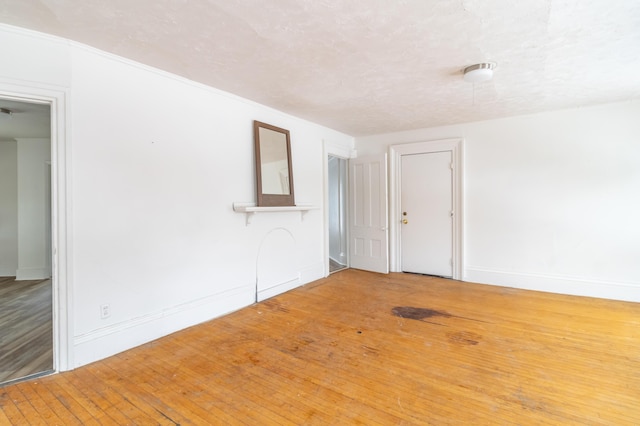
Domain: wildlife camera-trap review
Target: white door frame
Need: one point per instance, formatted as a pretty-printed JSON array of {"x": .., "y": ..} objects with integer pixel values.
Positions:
[
  {"x": 60, "y": 213},
  {"x": 395, "y": 175},
  {"x": 339, "y": 151}
]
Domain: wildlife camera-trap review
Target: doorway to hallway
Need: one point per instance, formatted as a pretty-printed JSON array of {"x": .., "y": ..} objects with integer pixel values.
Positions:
[
  {"x": 26, "y": 290},
  {"x": 337, "y": 192}
]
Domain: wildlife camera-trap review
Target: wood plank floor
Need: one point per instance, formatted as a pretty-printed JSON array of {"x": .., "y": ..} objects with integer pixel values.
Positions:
[
  {"x": 371, "y": 349},
  {"x": 26, "y": 328}
]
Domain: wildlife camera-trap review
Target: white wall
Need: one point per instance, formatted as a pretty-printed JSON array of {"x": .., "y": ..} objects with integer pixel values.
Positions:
[
  {"x": 552, "y": 200},
  {"x": 33, "y": 59},
  {"x": 8, "y": 208},
  {"x": 157, "y": 163},
  {"x": 33, "y": 209}
]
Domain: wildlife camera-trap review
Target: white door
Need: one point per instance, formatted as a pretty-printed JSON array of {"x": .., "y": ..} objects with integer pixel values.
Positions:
[
  {"x": 368, "y": 234},
  {"x": 427, "y": 213}
]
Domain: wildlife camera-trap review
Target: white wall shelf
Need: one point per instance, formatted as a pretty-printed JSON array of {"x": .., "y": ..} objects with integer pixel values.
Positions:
[{"x": 250, "y": 209}]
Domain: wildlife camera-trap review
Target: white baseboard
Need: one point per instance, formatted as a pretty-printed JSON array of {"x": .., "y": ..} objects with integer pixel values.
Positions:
[
  {"x": 278, "y": 288},
  {"x": 306, "y": 275},
  {"x": 629, "y": 292},
  {"x": 115, "y": 338},
  {"x": 32, "y": 274}
]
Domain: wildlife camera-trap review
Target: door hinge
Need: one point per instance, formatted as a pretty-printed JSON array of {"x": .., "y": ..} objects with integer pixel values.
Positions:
[{"x": 451, "y": 166}]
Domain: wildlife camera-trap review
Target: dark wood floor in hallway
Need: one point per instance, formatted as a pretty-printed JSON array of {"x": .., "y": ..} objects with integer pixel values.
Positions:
[
  {"x": 365, "y": 348},
  {"x": 26, "y": 328}
]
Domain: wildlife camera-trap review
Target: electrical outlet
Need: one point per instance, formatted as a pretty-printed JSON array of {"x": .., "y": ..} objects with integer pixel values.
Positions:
[{"x": 105, "y": 311}]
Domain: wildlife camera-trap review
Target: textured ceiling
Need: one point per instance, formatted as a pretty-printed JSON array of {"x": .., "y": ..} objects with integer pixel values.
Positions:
[{"x": 367, "y": 67}]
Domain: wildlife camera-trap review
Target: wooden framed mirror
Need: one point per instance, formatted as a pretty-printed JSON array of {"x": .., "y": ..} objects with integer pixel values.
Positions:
[{"x": 274, "y": 174}]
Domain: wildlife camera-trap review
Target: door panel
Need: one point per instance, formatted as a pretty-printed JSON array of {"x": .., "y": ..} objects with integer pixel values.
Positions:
[
  {"x": 368, "y": 214},
  {"x": 427, "y": 208}
]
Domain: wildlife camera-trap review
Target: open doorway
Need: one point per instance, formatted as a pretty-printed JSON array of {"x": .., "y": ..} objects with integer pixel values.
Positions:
[
  {"x": 26, "y": 291},
  {"x": 337, "y": 181}
]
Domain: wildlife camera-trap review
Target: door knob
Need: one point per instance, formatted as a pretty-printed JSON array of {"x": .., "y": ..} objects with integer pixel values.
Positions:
[{"x": 405, "y": 221}]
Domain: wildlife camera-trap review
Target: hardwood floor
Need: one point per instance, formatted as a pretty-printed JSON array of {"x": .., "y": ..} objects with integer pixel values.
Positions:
[
  {"x": 365, "y": 348},
  {"x": 26, "y": 328}
]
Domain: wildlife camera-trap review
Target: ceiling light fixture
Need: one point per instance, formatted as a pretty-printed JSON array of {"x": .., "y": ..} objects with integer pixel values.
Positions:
[
  {"x": 5, "y": 113},
  {"x": 479, "y": 72}
]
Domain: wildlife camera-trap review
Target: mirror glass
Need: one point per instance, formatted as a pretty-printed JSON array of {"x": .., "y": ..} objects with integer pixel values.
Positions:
[
  {"x": 274, "y": 175},
  {"x": 274, "y": 162}
]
